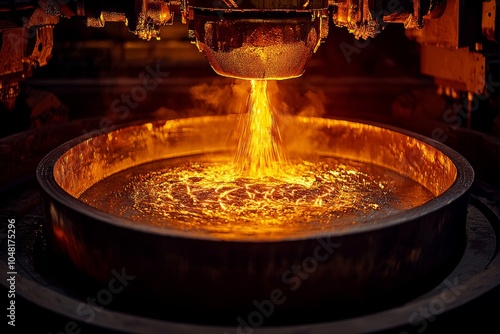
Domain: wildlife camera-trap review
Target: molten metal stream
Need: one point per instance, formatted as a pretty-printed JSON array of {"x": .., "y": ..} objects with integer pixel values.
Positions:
[
  {"x": 260, "y": 151},
  {"x": 257, "y": 193}
]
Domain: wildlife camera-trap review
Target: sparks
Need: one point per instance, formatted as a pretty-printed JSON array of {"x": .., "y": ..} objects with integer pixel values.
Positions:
[{"x": 259, "y": 152}]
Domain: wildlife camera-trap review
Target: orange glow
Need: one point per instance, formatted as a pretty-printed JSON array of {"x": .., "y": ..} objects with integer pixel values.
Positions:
[
  {"x": 259, "y": 150},
  {"x": 258, "y": 193},
  {"x": 208, "y": 197}
]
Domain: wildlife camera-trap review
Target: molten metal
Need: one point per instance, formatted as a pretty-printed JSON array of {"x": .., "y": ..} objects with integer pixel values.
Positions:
[
  {"x": 169, "y": 200},
  {"x": 207, "y": 196},
  {"x": 259, "y": 193},
  {"x": 259, "y": 150}
]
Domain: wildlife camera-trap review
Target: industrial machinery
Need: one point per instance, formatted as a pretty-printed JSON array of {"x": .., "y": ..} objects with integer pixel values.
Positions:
[
  {"x": 83, "y": 263},
  {"x": 269, "y": 39}
]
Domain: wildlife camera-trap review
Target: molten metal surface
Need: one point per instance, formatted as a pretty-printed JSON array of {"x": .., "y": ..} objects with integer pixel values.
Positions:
[
  {"x": 208, "y": 196},
  {"x": 258, "y": 192},
  {"x": 184, "y": 175},
  {"x": 164, "y": 198}
]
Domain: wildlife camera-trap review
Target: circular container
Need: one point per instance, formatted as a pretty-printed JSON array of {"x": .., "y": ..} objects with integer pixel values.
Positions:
[{"x": 375, "y": 264}]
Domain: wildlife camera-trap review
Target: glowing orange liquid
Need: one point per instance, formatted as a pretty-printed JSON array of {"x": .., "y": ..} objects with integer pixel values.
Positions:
[
  {"x": 205, "y": 196},
  {"x": 259, "y": 150},
  {"x": 257, "y": 193}
]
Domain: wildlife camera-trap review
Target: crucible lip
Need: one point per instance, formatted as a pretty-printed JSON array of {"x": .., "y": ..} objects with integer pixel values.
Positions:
[{"x": 460, "y": 186}]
